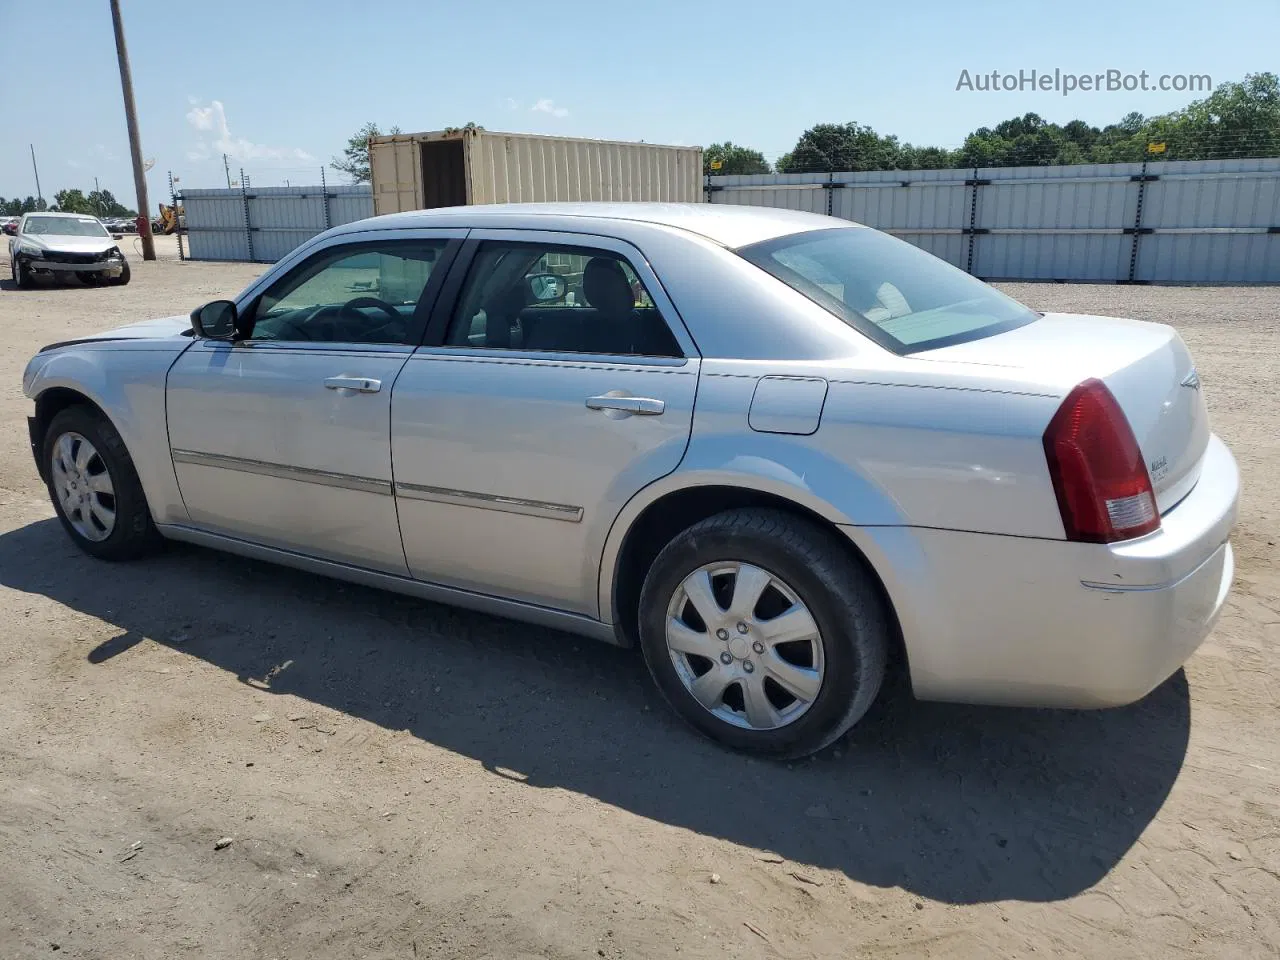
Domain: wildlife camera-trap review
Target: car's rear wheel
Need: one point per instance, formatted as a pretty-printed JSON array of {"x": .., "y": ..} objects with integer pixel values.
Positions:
[
  {"x": 763, "y": 632},
  {"x": 94, "y": 487}
]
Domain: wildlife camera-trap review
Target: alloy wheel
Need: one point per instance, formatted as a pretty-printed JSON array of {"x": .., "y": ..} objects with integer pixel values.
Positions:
[
  {"x": 83, "y": 486},
  {"x": 745, "y": 645}
]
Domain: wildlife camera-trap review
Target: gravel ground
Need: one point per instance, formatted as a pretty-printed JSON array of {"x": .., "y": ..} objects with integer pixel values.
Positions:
[{"x": 399, "y": 779}]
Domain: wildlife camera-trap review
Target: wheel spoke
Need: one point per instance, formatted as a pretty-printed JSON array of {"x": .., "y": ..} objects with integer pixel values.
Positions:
[
  {"x": 685, "y": 640},
  {"x": 59, "y": 474},
  {"x": 106, "y": 516},
  {"x": 66, "y": 452},
  {"x": 697, "y": 587},
  {"x": 803, "y": 683},
  {"x": 709, "y": 688},
  {"x": 84, "y": 453},
  {"x": 748, "y": 585},
  {"x": 796, "y": 624},
  {"x": 761, "y": 714},
  {"x": 79, "y": 514},
  {"x": 100, "y": 482},
  {"x": 65, "y": 498}
]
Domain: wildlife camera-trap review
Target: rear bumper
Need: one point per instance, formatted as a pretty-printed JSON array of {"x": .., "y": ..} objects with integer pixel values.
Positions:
[{"x": 1024, "y": 621}]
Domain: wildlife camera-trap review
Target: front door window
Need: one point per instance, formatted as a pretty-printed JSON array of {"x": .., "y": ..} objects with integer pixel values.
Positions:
[{"x": 366, "y": 293}]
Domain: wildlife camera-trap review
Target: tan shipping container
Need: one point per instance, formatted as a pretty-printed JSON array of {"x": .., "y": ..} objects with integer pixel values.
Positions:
[{"x": 417, "y": 171}]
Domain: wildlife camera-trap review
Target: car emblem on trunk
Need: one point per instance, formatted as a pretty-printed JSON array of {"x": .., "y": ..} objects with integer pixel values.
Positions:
[{"x": 1192, "y": 380}]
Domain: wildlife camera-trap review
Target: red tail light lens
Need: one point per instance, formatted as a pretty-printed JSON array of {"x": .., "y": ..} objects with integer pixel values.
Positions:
[{"x": 1103, "y": 488}]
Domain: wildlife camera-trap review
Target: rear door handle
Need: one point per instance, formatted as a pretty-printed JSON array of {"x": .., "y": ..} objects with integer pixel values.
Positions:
[
  {"x": 356, "y": 384},
  {"x": 640, "y": 406}
]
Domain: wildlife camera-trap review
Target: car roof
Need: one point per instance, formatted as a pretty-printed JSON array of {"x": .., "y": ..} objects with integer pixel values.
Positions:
[
  {"x": 64, "y": 216},
  {"x": 726, "y": 224}
]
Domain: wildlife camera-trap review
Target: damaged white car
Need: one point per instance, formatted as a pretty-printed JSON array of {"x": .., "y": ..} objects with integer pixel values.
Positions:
[{"x": 59, "y": 246}]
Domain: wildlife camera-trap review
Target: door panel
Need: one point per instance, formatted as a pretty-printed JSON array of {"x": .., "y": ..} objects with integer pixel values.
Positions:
[
  {"x": 264, "y": 449},
  {"x": 507, "y": 482}
]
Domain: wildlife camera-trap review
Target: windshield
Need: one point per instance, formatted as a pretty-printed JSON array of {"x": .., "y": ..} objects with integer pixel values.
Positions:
[
  {"x": 65, "y": 227},
  {"x": 901, "y": 297}
]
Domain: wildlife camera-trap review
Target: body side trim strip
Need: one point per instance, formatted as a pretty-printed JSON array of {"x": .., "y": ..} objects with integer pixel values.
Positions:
[
  {"x": 491, "y": 501},
  {"x": 410, "y": 491},
  {"x": 283, "y": 472}
]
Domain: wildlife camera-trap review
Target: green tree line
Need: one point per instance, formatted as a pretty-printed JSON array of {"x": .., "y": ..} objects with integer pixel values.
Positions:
[
  {"x": 1236, "y": 120},
  {"x": 98, "y": 203},
  {"x": 16, "y": 207}
]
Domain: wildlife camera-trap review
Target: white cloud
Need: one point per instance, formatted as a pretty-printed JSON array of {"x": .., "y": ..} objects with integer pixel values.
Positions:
[
  {"x": 213, "y": 120},
  {"x": 513, "y": 104},
  {"x": 549, "y": 106}
]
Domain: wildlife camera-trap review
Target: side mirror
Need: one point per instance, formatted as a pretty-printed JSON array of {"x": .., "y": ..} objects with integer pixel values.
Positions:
[
  {"x": 117, "y": 236},
  {"x": 548, "y": 286},
  {"x": 216, "y": 320}
]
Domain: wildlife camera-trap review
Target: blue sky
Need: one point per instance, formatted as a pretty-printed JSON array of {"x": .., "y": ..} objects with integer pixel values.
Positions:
[{"x": 280, "y": 84}]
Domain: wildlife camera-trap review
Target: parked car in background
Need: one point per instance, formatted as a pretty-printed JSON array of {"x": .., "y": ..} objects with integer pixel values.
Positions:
[
  {"x": 10, "y": 225},
  {"x": 778, "y": 451},
  {"x": 59, "y": 246}
]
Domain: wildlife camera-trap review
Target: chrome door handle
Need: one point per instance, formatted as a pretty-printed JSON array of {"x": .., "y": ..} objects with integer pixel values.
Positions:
[
  {"x": 358, "y": 384},
  {"x": 640, "y": 406}
]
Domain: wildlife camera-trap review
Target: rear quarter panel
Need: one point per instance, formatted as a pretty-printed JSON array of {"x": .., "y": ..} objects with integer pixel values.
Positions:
[{"x": 885, "y": 454}]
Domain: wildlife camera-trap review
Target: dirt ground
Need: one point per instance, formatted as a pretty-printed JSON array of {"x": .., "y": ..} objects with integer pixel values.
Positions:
[{"x": 404, "y": 780}]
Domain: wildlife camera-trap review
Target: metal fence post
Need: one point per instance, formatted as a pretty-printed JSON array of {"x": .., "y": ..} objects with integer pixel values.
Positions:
[
  {"x": 244, "y": 204},
  {"x": 1137, "y": 229},
  {"x": 173, "y": 205},
  {"x": 324, "y": 192},
  {"x": 973, "y": 184}
]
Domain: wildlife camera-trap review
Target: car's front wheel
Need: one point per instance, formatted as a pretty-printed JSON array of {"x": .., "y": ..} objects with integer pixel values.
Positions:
[
  {"x": 94, "y": 487},
  {"x": 763, "y": 632},
  {"x": 121, "y": 280},
  {"x": 21, "y": 274}
]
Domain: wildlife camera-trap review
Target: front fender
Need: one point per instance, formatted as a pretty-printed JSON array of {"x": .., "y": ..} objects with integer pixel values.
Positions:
[
  {"x": 789, "y": 467},
  {"x": 127, "y": 384}
]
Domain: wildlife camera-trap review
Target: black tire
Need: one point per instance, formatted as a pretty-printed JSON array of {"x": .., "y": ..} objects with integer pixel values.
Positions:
[
  {"x": 134, "y": 534},
  {"x": 840, "y": 595},
  {"x": 21, "y": 274},
  {"x": 121, "y": 280}
]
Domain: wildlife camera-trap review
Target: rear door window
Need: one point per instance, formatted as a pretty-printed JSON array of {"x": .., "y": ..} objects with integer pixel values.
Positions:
[{"x": 558, "y": 299}]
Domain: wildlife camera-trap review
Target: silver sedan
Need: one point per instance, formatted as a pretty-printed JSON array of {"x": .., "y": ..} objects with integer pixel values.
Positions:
[{"x": 781, "y": 453}]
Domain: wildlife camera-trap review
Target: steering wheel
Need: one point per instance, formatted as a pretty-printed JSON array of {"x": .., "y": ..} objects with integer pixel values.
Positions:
[{"x": 350, "y": 307}]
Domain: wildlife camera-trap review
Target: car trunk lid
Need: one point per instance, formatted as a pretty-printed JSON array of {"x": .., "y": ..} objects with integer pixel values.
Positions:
[{"x": 1146, "y": 366}]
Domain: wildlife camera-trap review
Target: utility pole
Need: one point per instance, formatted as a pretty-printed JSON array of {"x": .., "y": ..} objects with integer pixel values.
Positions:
[
  {"x": 36, "y": 171},
  {"x": 227, "y": 167},
  {"x": 97, "y": 196},
  {"x": 135, "y": 143}
]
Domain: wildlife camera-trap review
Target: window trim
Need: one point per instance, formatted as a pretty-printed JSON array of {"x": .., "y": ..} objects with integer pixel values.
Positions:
[{"x": 448, "y": 300}]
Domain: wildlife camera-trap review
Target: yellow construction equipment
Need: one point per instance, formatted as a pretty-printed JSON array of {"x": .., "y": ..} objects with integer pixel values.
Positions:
[{"x": 170, "y": 220}]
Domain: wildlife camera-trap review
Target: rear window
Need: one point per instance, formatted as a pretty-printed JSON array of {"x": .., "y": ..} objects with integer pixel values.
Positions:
[{"x": 901, "y": 297}]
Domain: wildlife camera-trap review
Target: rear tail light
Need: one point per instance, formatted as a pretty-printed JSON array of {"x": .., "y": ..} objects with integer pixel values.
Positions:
[{"x": 1103, "y": 488}]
